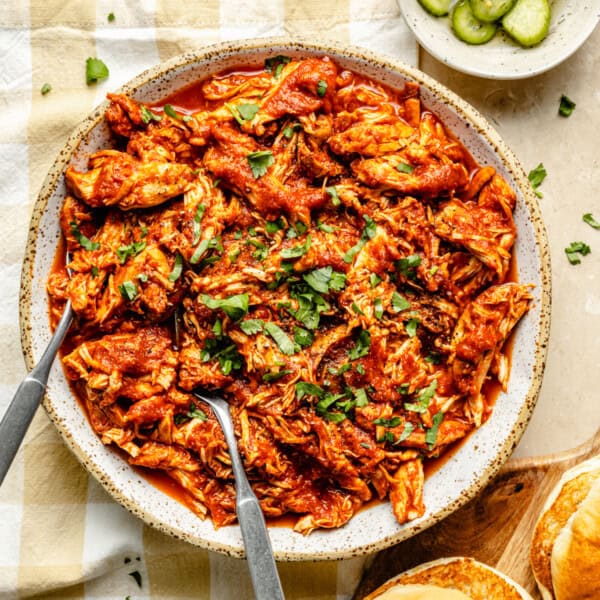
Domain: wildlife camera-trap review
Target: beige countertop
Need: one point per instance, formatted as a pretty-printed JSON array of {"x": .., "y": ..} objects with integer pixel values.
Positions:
[{"x": 525, "y": 113}]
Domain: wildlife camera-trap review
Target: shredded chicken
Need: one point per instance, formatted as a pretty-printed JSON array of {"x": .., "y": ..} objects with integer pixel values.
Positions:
[{"x": 317, "y": 248}]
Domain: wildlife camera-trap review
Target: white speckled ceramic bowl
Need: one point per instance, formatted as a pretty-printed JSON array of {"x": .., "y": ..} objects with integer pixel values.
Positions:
[
  {"x": 375, "y": 527},
  {"x": 502, "y": 58}
]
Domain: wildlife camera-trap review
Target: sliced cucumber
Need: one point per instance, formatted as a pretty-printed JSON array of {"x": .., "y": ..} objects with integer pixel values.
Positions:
[
  {"x": 528, "y": 21},
  {"x": 468, "y": 28},
  {"x": 439, "y": 8},
  {"x": 490, "y": 10}
]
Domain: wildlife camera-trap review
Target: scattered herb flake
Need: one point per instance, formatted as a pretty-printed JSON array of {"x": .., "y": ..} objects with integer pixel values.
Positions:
[
  {"x": 411, "y": 327},
  {"x": 133, "y": 249},
  {"x": 259, "y": 162},
  {"x": 281, "y": 338},
  {"x": 431, "y": 435},
  {"x": 393, "y": 422},
  {"x": 374, "y": 280},
  {"x": 303, "y": 337},
  {"x": 399, "y": 303},
  {"x": 332, "y": 191},
  {"x": 94, "y": 271},
  {"x": 408, "y": 429},
  {"x": 175, "y": 274},
  {"x": 248, "y": 111},
  {"x": 235, "y": 307},
  {"x": 305, "y": 388},
  {"x": 589, "y": 219},
  {"x": 84, "y": 241},
  {"x": 111, "y": 17},
  {"x": 128, "y": 290},
  {"x": 321, "y": 88},
  {"x": 297, "y": 251},
  {"x": 45, "y": 89},
  {"x": 275, "y": 375},
  {"x": 404, "y": 168},
  {"x": 566, "y": 107},
  {"x": 324, "y": 227},
  {"x": 362, "y": 345},
  {"x": 275, "y": 64},
  {"x": 170, "y": 112},
  {"x": 577, "y": 248},
  {"x": 378, "y": 308},
  {"x": 407, "y": 266},
  {"x": 423, "y": 399},
  {"x": 252, "y": 326},
  {"x": 148, "y": 115}
]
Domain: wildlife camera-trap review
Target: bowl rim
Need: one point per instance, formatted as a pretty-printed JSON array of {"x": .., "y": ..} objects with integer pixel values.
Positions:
[{"x": 358, "y": 55}]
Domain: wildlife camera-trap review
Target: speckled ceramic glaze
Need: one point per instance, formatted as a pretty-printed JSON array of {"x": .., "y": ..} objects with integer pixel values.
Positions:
[
  {"x": 502, "y": 58},
  {"x": 371, "y": 529}
]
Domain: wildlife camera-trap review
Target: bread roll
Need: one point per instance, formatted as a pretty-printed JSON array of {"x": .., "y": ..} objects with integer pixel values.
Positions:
[
  {"x": 415, "y": 591},
  {"x": 565, "y": 549},
  {"x": 470, "y": 578}
]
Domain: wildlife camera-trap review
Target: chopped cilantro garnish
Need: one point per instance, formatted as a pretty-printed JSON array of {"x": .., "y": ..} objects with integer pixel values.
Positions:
[
  {"x": 332, "y": 191},
  {"x": 359, "y": 369},
  {"x": 408, "y": 429},
  {"x": 45, "y": 89},
  {"x": 388, "y": 436},
  {"x": 133, "y": 249},
  {"x": 378, "y": 308},
  {"x": 374, "y": 280},
  {"x": 110, "y": 17},
  {"x": 325, "y": 279},
  {"x": 128, "y": 290},
  {"x": 361, "y": 398},
  {"x": 196, "y": 227},
  {"x": 274, "y": 226},
  {"x": 536, "y": 176},
  {"x": 170, "y": 111},
  {"x": 193, "y": 413},
  {"x": 407, "y": 265},
  {"x": 399, "y": 303},
  {"x": 324, "y": 227},
  {"x": 393, "y": 422},
  {"x": 577, "y": 248},
  {"x": 303, "y": 337},
  {"x": 423, "y": 399},
  {"x": 143, "y": 277},
  {"x": 297, "y": 251},
  {"x": 235, "y": 307},
  {"x": 321, "y": 88},
  {"x": 411, "y": 327},
  {"x": 566, "y": 107},
  {"x": 94, "y": 271},
  {"x": 148, "y": 115},
  {"x": 275, "y": 64},
  {"x": 368, "y": 233},
  {"x": 275, "y": 375},
  {"x": 431, "y": 435},
  {"x": 362, "y": 345},
  {"x": 84, "y": 241},
  {"x": 95, "y": 70},
  {"x": 252, "y": 326},
  {"x": 404, "y": 168},
  {"x": 305, "y": 388},
  {"x": 225, "y": 351},
  {"x": 175, "y": 274},
  {"x": 259, "y": 162},
  {"x": 247, "y": 111},
  {"x": 281, "y": 338},
  {"x": 356, "y": 309}
]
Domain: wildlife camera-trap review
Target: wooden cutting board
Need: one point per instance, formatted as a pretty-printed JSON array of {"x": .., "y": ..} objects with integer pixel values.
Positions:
[{"x": 494, "y": 528}]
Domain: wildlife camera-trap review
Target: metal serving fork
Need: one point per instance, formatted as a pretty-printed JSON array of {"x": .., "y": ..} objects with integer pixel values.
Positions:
[
  {"x": 261, "y": 563},
  {"x": 27, "y": 398}
]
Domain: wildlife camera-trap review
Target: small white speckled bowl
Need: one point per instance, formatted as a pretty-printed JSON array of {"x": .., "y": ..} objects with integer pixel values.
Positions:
[
  {"x": 371, "y": 529},
  {"x": 502, "y": 58}
]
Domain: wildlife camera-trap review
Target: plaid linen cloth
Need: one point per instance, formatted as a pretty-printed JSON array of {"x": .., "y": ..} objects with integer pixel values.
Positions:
[{"x": 61, "y": 535}]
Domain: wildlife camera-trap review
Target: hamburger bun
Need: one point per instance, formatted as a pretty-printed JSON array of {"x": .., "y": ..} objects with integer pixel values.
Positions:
[
  {"x": 449, "y": 579},
  {"x": 565, "y": 548}
]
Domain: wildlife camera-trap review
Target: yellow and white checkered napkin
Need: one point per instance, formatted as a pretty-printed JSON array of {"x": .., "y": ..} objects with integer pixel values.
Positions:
[{"x": 61, "y": 536}]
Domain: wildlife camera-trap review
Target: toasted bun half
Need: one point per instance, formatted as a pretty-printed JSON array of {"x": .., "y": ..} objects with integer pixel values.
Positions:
[
  {"x": 565, "y": 548},
  {"x": 439, "y": 578}
]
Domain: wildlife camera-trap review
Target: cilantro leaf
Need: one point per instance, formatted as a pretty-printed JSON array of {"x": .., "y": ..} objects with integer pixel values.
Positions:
[
  {"x": 393, "y": 422},
  {"x": 423, "y": 399},
  {"x": 133, "y": 249},
  {"x": 566, "y": 107},
  {"x": 407, "y": 266},
  {"x": 110, "y": 17},
  {"x": 148, "y": 115},
  {"x": 374, "y": 280},
  {"x": 95, "y": 70},
  {"x": 305, "y": 388},
  {"x": 281, "y": 338},
  {"x": 170, "y": 111},
  {"x": 431, "y": 435},
  {"x": 45, "y": 89},
  {"x": 175, "y": 274},
  {"x": 368, "y": 233},
  {"x": 361, "y": 346},
  {"x": 332, "y": 191},
  {"x": 399, "y": 303},
  {"x": 297, "y": 251},
  {"x": 275, "y": 64},
  {"x": 323, "y": 279},
  {"x": 84, "y": 241},
  {"x": 378, "y": 308},
  {"x": 404, "y": 168},
  {"x": 128, "y": 290},
  {"x": 536, "y": 176},
  {"x": 259, "y": 162},
  {"x": 275, "y": 375},
  {"x": 252, "y": 326},
  {"x": 303, "y": 337},
  {"x": 235, "y": 307},
  {"x": 248, "y": 111},
  {"x": 411, "y": 327},
  {"x": 321, "y": 88}
]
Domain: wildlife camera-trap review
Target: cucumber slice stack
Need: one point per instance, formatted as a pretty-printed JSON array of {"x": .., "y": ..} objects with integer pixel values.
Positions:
[{"x": 476, "y": 21}]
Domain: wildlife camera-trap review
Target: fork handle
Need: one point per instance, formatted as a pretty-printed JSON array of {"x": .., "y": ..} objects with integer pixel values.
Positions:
[{"x": 27, "y": 398}]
